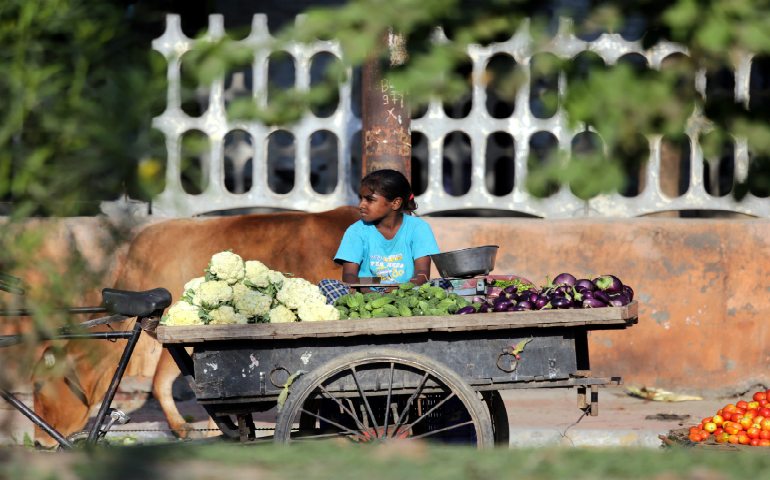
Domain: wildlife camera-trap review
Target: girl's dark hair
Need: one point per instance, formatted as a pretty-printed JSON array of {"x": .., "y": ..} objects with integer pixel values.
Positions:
[{"x": 391, "y": 185}]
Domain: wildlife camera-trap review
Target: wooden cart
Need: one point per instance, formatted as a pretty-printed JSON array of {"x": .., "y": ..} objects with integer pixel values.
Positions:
[{"x": 375, "y": 380}]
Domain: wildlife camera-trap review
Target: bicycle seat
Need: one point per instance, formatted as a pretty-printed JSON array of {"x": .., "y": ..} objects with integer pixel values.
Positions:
[{"x": 136, "y": 304}]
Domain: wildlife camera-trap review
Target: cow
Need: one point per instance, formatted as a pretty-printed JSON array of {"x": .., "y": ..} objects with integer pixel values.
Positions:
[{"x": 167, "y": 255}]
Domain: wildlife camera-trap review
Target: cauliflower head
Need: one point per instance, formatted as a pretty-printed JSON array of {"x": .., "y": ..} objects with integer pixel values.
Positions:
[
  {"x": 317, "y": 312},
  {"x": 225, "y": 315},
  {"x": 251, "y": 303},
  {"x": 227, "y": 266},
  {"x": 276, "y": 278},
  {"x": 213, "y": 293},
  {"x": 281, "y": 314},
  {"x": 182, "y": 313},
  {"x": 298, "y": 291},
  {"x": 257, "y": 273},
  {"x": 193, "y": 284}
]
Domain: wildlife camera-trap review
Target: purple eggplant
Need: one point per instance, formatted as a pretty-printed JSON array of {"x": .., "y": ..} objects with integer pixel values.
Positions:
[
  {"x": 511, "y": 290},
  {"x": 466, "y": 310},
  {"x": 512, "y": 308},
  {"x": 593, "y": 303},
  {"x": 561, "y": 302},
  {"x": 629, "y": 292},
  {"x": 479, "y": 300},
  {"x": 518, "y": 309},
  {"x": 585, "y": 284},
  {"x": 486, "y": 308},
  {"x": 525, "y": 305},
  {"x": 502, "y": 304},
  {"x": 618, "y": 300},
  {"x": 587, "y": 294},
  {"x": 609, "y": 284},
  {"x": 541, "y": 302},
  {"x": 562, "y": 290},
  {"x": 532, "y": 298},
  {"x": 564, "y": 279},
  {"x": 602, "y": 296}
]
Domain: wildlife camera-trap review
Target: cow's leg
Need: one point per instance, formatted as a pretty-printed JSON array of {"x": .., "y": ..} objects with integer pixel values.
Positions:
[{"x": 165, "y": 374}]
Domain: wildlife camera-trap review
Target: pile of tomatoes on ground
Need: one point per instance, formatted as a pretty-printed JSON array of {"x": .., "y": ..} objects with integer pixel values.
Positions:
[{"x": 746, "y": 423}]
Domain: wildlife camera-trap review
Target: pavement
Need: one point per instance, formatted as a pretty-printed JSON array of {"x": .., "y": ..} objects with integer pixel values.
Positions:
[{"x": 538, "y": 417}]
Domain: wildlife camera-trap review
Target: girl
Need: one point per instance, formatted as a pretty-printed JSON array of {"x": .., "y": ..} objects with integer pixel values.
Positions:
[{"x": 388, "y": 242}]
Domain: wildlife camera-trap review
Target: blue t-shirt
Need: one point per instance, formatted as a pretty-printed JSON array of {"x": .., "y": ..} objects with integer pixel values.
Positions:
[{"x": 391, "y": 260}]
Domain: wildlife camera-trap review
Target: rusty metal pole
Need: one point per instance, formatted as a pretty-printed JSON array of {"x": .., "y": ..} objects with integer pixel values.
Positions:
[{"x": 386, "y": 118}]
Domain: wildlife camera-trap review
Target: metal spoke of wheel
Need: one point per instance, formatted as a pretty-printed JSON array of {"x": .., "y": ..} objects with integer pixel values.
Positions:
[
  {"x": 409, "y": 403},
  {"x": 424, "y": 415},
  {"x": 346, "y": 409},
  {"x": 366, "y": 402},
  {"x": 316, "y": 437},
  {"x": 387, "y": 402},
  {"x": 441, "y": 430},
  {"x": 344, "y": 429}
]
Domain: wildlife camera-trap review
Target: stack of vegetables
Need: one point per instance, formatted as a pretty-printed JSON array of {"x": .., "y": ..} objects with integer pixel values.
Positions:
[
  {"x": 564, "y": 292},
  {"x": 405, "y": 301},
  {"x": 236, "y": 292}
]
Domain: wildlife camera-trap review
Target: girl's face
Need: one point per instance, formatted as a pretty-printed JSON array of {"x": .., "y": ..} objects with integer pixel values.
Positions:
[{"x": 374, "y": 207}]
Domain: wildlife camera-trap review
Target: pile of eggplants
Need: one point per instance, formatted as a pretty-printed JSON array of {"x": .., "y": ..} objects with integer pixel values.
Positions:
[{"x": 563, "y": 293}]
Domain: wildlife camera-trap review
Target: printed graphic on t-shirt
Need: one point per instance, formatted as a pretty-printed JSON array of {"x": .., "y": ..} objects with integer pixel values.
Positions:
[{"x": 387, "y": 268}]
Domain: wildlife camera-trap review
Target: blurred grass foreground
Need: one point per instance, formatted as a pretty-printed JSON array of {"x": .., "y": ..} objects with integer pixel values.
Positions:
[{"x": 400, "y": 461}]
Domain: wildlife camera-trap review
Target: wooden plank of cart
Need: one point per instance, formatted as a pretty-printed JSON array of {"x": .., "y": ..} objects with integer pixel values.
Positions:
[{"x": 384, "y": 379}]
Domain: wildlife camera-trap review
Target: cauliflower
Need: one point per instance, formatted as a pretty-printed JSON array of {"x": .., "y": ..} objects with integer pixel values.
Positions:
[
  {"x": 182, "y": 313},
  {"x": 239, "y": 290},
  {"x": 281, "y": 314},
  {"x": 276, "y": 278},
  {"x": 251, "y": 303},
  {"x": 317, "y": 312},
  {"x": 193, "y": 284},
  {"x": 227, "y": 266},
  {"x": 226, "y": 315},
  {"x": 298, "y": 291},
  {"x": 213, "y": 293},
  {"x": 257, "y": 273}
]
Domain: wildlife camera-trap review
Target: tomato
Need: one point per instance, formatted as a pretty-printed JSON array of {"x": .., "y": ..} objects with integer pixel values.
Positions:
[
  {"x": 764, "y": 434},
  {"x": 727, "y": 416},
  {"x": 766, "y": 424},
  {"x": 694, "y": 429},
  {"x": 695, "y": 437},
  {"x": 753, "y": 432},
  {"x": 729, "y": 408},
  {"x": 750, "y": 414},
  {"x": 706, "y": 420},
  {"x": 764, "y": 443},
  {"x": 763, "y": 403},
  {"x": 704, "y": 434},
  {"x": 754, "y": 442},
  {"x": 753, "y": 405},
  {"x": 740, "y": 411},
  {"x": 746, "y": 423},
  {"x": 742, "y": 404},
  {"x": 721, "y": 437},
  {"x": 759, "y": 396},
  {"x": 730, "y": 429},
  {"x": 744, "y": 440},
  {"x": 733, "y": 439},
  {"x": 765, "y": 412},
  {"x": 718, "y": 420},
  {"x": 720, "y": 412},
  {"x": 758, "y": 419},
  {"x": 710, "y": 427},
  {"x": 718, "y": 431},
  {"x": 736, "y": 418}
]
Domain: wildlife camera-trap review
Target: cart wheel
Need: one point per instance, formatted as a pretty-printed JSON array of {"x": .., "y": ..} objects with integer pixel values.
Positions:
[
  {"x": 499, "y": 415},
  {"x": 383, "y": 395}
]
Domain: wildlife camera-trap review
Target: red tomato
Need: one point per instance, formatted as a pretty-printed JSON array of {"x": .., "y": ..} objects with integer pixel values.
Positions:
[
  {"x": 710, "y": 427},
  {"x": 758, "y": 419},
  {"x": 694, "y": 429},
  {"x": 736, "y": 418},
  {"x": 765, "y": 412},
  {"x": 706, "y": 420},
  {"x": 753, "y": 432},
  {"x": 695, "y": 437},
  {"x": 750, "y": 414},
  {"x": 718, "y": 431},
  {"x": 742, "y": 404},
  {"x": 740, "y": 411},
  {"x": 759, "y": 396},
  {"x": 746, "y": 423},
  {"x": 729, "y": 408},
  {"x": 754, "y": 442},
  {"x": 727, "y": 416},
  {"x": 718, "y": 420},
  {"x": 764, "y": 443},
  {"x": 721, "y": 437},
  {"x": 764, "y": 434},
  {"x": 754, "y": 405},
  {"x": 744, "y": 440},
  {"x": 720, "y": 412},
  {"x": 733, "y": 439},
  {"x": 704, "y": 434},
  {"x": 763, "y": 403},
  {"x": 766, "y": 424},
  {"x": 731, "y": 429}
]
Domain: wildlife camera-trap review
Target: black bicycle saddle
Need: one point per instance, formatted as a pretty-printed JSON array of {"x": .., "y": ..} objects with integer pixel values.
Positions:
[{"x": 136, "y": 304}]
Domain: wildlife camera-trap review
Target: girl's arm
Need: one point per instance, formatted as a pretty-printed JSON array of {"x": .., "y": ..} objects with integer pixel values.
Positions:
[
  {"x": 421, "y": 270},
  {"x": 350, "y": 275}
]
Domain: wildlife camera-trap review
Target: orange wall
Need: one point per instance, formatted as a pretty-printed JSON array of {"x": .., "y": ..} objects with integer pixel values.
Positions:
[{"x": 702, "y": 285}]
